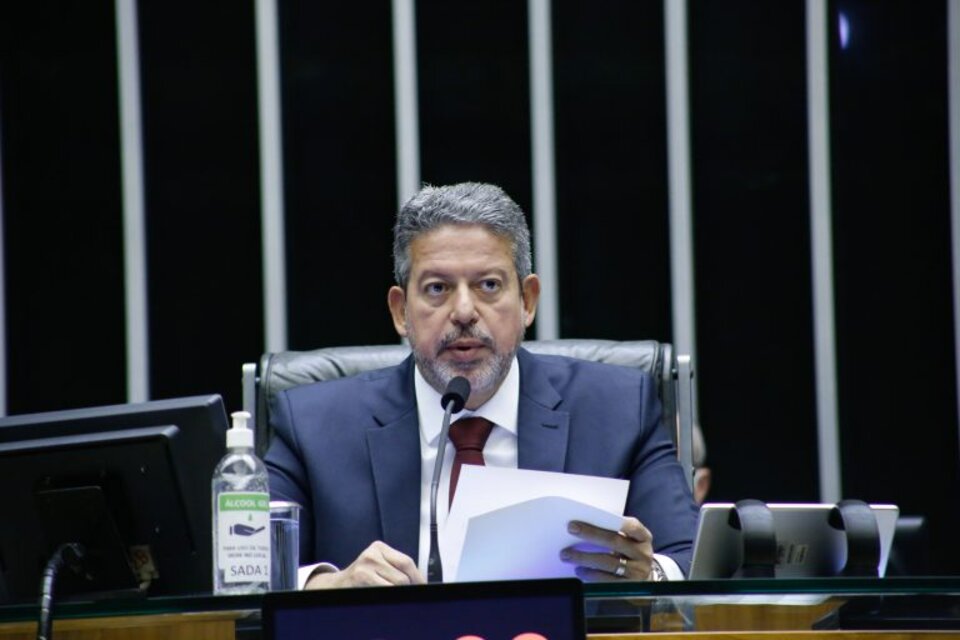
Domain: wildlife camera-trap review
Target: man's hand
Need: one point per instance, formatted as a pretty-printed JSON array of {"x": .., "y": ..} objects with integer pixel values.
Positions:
[
  {"x": 630, "y": 556},
  {"x": 378, "y": 565}
]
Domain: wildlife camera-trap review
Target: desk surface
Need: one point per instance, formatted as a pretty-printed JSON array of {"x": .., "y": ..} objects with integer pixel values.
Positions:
[{"x": 743, "y": 609}]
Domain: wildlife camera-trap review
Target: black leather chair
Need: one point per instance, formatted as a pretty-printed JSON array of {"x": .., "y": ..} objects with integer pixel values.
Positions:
[{"x": 279, "y": 371}]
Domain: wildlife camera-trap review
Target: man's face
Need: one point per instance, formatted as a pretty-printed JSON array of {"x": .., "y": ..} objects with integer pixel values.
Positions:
[{"x": 464, "y": 309}]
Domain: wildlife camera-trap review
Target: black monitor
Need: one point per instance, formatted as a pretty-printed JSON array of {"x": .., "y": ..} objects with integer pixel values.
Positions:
[
  {"x": 129, "y": 482},
  {"x": 551, "y": 608}
]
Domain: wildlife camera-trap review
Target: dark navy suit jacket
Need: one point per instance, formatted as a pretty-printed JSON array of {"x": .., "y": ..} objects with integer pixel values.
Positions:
[{"x": 348, "y": 450}]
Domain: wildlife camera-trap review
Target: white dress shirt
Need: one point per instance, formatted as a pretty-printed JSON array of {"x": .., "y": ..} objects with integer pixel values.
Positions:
[{"x": 499, "y": 451}]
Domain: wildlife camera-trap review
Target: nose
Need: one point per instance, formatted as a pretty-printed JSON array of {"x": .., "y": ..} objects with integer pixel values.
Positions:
[{"x": 464, "y": 306}]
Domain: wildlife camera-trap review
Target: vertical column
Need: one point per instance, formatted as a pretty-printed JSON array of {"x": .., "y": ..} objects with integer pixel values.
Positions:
[
  {"x": 131, "y": 151},
  {"x": 3, "y": 296},
  {"x": 544, "y": 179},
  {"x": 953, "y": 79},
  {"x": 678, "y": 160},
  {"x": 821, "y": 243},
  {"x": 271, "y": 177},
  {"x": 405, "y": 99}
]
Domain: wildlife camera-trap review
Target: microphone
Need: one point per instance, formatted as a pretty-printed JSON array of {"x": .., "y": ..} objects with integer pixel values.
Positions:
[{"x": 453, "y": 400}]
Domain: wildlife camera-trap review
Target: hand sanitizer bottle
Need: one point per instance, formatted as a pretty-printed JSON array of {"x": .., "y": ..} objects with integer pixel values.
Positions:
[{"x": 241, "y": 516}]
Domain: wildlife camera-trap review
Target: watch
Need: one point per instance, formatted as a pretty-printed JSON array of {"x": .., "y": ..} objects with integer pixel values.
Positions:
[{"x": 657, "y": 574}]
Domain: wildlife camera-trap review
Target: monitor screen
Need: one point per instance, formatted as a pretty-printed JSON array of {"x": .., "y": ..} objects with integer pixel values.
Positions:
[
  {"x": 129, "y": 482},
  {"x": 515, "y": 610}
]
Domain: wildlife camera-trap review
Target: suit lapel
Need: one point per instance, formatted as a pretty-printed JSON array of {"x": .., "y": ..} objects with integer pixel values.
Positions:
[
  {"x": 395, "y": 462},
  {"x": 542, "y": 431}
]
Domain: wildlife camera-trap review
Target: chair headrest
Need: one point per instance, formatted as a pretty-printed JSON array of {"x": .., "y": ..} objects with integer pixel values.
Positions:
[{"x": 280, "y": 371}]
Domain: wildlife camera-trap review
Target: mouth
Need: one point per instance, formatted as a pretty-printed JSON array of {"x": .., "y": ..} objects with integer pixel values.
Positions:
[{"x": 466, "y": 349}]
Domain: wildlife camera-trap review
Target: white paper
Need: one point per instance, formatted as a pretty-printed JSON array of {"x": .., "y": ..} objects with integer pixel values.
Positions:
[{"x": 499, "y": 543}]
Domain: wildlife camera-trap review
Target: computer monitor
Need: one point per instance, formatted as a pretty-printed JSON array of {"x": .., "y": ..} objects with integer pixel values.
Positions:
[
  {"x": 527, "y": 609},
  {"x": 129, "y": 482},
  {"x": 808, "y": 544}
]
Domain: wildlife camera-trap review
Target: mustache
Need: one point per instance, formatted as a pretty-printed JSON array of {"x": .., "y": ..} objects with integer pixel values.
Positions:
[{"x": 473, "y": 333}]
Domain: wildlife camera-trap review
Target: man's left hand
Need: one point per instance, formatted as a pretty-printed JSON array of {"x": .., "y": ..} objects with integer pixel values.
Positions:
[{"x": 630, "y": 556}]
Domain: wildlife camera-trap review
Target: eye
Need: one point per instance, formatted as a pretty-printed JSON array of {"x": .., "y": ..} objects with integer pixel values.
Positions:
[
  {"x": 490, "y": 285},
  {"x": 434, "y": 288}
]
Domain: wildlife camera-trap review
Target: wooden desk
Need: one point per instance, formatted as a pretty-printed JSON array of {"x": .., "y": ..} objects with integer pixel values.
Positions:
[
  {"x": 219, "y": 625},
  {"x": 222, "y": 626},
  {"x": 721, "y": 610},
  {"x": 785, "y": 635}
]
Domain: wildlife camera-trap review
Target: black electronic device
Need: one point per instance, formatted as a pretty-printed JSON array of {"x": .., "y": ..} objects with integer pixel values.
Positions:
[
  {"x": 808, "y": 540},
  {"x": 131, "y": 483},
  {"x": 529, "y": 609}
]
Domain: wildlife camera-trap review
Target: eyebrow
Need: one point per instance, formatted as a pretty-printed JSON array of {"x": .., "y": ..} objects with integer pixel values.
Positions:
[{"x": 443, "y": 275}]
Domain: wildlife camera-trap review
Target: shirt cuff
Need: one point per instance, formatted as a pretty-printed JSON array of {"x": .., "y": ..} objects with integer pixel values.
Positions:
[
  {"x": 670, "y": 567},
  {"x": 306, "y": 572}
]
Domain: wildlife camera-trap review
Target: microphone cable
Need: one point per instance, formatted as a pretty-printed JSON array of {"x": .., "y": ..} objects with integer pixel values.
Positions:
[{"x": 71, "y": 554}]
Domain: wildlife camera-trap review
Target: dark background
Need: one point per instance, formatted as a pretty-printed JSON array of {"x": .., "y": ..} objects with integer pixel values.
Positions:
[{"x": 62, "y": 206}]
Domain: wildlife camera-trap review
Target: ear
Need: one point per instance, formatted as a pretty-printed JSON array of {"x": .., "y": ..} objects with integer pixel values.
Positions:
[
  {"x": 529, "y": 295},
  {"x": 701, "y": 484},
  {"x": 397, "y": 301}
]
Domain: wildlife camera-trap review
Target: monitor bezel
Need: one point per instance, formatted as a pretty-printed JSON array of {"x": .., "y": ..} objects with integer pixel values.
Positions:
[
  {"x": 570, "y": 588},
  {"x": 156, "y": 458}
]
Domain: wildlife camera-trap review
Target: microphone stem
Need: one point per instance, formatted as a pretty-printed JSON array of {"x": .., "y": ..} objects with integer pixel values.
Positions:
[{"x": 434, "y": 566}]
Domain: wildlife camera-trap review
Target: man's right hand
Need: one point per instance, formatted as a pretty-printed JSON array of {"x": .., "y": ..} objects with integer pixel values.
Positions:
[{"x": 378, "y": 565}]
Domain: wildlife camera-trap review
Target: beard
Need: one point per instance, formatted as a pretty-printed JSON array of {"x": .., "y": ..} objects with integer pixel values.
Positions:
[{"x": 485, "y": 374}]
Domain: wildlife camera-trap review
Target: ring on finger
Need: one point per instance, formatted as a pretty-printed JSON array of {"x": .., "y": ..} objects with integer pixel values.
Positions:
[{"x": 621, "y": 567}]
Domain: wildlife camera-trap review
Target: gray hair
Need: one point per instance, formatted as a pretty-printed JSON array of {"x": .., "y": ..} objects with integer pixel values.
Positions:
[{"x": 467, "y": 203}]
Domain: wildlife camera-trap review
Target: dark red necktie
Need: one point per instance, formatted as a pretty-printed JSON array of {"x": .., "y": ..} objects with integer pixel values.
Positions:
[{"x": 468, "y": 436}]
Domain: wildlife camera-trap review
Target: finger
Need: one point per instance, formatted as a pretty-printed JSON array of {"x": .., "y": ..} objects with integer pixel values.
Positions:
[
  {"x": 634, "y": 529},
  {"x": 360, "y": 574},
  {"x": 606, "y": 562},
  {"x": 392, "y": 576},
  {"x": 392, "y": 565},
  {"x": 373, "y": 578},
  {"x": 404, "y": 564},
  {"x": 612, "y": 540},
  {"x": 372, "y": 568},
  {"x": 593, "y": 575}
]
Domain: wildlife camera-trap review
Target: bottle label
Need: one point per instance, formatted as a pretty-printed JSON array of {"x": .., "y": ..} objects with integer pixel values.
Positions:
[{"x": 243, "y": 521}]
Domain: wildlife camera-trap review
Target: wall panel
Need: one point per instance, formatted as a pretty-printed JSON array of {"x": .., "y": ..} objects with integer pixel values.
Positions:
[
  {"x": 612, "y": 217},
  {"x": 896, "y": 376},
  {"x": 62, "y": 205},
  {"x": 752, "y": 248},
  {"x": 201, "y": 179},
  {"x": 339, "y": 160}
]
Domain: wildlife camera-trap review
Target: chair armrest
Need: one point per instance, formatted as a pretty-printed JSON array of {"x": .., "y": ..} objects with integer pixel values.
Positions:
[
  {"x": 685, "y": 417},
  {"x": 249, "y": 382}
]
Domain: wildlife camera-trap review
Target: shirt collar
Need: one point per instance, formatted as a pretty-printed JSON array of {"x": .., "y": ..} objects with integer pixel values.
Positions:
[{"x": 501, "y": 409}]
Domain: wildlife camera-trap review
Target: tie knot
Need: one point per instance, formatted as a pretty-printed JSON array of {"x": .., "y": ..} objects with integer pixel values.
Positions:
[{"x": 470, "y": 434}]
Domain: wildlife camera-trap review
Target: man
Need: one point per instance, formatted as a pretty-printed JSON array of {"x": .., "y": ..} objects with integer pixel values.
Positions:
[{"x": 358, "y": 453}]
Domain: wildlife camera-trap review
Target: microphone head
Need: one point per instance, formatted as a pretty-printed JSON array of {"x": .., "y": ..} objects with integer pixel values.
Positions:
[{"x": 457, "y": 392}]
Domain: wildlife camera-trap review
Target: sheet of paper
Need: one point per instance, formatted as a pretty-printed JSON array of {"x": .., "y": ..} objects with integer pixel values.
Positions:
[
  {"x": 524, "y": 540},
  {"x": 482, "y": 490}
]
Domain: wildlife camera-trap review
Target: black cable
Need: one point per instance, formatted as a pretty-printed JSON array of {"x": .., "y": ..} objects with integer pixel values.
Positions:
[{"x": 70, "y": 553}]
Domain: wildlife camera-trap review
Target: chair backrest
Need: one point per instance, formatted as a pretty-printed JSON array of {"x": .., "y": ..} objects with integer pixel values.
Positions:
[{"x": 279, "y": 371}]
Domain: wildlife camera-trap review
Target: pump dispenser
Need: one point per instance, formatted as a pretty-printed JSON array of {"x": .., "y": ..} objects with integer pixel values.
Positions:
[
  {"x": 240, "y": 434},
  {"x": 241, "y": 516}
]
